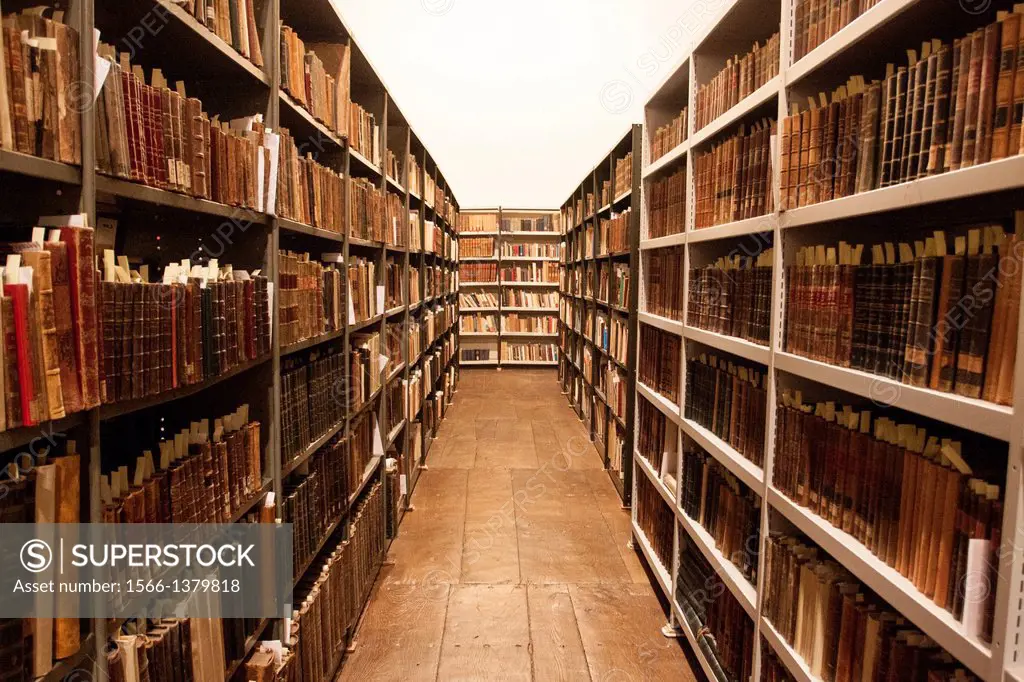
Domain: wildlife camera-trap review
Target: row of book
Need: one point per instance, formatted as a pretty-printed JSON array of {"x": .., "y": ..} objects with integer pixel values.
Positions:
[
  {"x": 666, "y": 214},
  {"x": 946, "y": 321},
  {"x": 201, "y": 475},
  {"x": 954, "y": 105},
  {"x": 169, "y": 649},
  {"x": 739, "y": 79},
  {"x": 733, "y": 181},
  {"x": 655, "y": 435},
  {"x": 841, "y": 630},
  {"x": 397, "y": 406},
  {"x": 476, "y": 324},
  {"x": 665, "y": 271},
  {"x": 233, "y": 21},
  {"x": 815, "y": 21},
  {"x": 308, "y": 192},
  {"x": 364, "y": 133},
  {"x": 366, "y": 297},
  {"x": 477, "y": 299},
  {"x": 658, "y": 365},
  {"x": 620, "y": 339},
  {"x": 730, "y": 512},
  {"x": 912, "y": 499},
  {"x": 313, "y": 399},
  {"x": 620, "y": 285},
  {"x": 366, "y": 365},
  {"x": 49, "y": 491},
  {"x": 530, "y": 272},
  {"x": 729, "y": 399},
  {"x": 529, "y": 352},
  {"x": 524, "y": 298},
  {"x": 39, "y": 66},
  {"x": 616, "y": 233},
  {"x": 330, "y": 597},
  {"x": 542, "y": 223},
  {"x": 655, "y": 520},
  {"x": 724, "y": 632},
  {"x": 375, "y": 214},
  {"x": 313, "y": 501},
  {"x": 158, "y": 136},
  {"x": 478, "y": 272},
  {"x": 534, "y": 324},
  {"x": 671, "y": 135},
  {"x": 480, "y": 247},
  {"x": 394, "y": 284},
  {"x": 413, "y": 178},
  {"x": 732, "y": 296},
  {"x": 317, "y": 76},
  {"x": 526, "y": 250},
  {"x": 623, "y": 175},
  {"x": 478, "y": 222},
  {"x": 311, "y": 298}
]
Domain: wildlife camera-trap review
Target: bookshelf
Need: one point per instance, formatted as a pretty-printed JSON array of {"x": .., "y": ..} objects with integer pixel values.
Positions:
[
  {"x": 523, "y": 243},
  {"x": 598, "y": 304},
  {"x": 949, "y": 201},
  {"x": 154, "y": 227}
]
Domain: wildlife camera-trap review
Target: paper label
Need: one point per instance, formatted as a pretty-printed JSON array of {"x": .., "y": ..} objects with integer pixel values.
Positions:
[
  {"x": 402, "y": 487},
  {"x": 380, "y": 300}
]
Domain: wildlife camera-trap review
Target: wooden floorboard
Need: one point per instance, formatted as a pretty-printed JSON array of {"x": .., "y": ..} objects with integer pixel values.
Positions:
[{"x": 514, "y": 563}]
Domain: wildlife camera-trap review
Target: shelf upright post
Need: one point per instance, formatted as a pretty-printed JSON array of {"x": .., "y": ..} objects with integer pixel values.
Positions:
[
  {"x": 501, "y": 288},
  {"x": 382, "y": 325},
  {"x": 406, "y": 352},
  {"x": 629, "y": 445}
]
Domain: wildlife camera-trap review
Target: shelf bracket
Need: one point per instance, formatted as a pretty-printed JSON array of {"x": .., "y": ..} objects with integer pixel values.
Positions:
[{"x": 670, "y": 631}]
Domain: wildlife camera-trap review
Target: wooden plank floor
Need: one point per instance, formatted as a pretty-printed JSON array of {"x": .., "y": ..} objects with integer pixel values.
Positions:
[{"x": 514, "y": 563}]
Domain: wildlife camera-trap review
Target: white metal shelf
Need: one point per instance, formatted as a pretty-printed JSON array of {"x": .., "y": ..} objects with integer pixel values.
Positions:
[
  {"x": 729, "y": 344},
  {"x": 739, "y": 228},
  {"x": 741, "y": 467},
  {"x": 738, "y": 585},
  {"x": 663, "y": 242},
  {"x": 979, "y": 416},
  {"x": 662, "y": 574},
  {"x": 678, "y": 152},
  {"x": 885, "y": 581},
  {"x": 662, "y": 323},
  {"x": 759, "y": 97},
  {"x": 791, "y": 659},
  {"x": 664, "y": 405}
]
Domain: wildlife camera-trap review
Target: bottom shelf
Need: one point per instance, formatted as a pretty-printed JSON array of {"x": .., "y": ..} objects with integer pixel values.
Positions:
[{"x": 796, "y": 666}]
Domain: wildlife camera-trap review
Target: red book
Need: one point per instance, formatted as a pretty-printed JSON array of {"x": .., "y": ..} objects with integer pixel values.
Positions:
[
  {"x": 83, "y": 309},
  {"x": 19, "y": 300}
]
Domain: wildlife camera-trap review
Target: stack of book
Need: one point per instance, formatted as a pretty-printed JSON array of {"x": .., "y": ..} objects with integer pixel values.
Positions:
[
  {"x": 616, "y": 232},
  {"x": 818, "y": 20},
  {"x": 307, "y": 191},
  {"x": 40, "y": 67},
  {"x": 313, "y": 399},
  {"x": 922, "y": 315},
  {"x": 203, "y": 475},
  {"x": 729, "y": 399},
  {"x": 733, "y": 181},
  {"x": 620, "y": 285},
  {"x": 669, "y": 136},
  {"x": 912, "y": 499},
  {"x": 523, "y": 250},
  {"x": 954, "y": 105},
  {"x": 727, "y": 509},
  {"x": 667, "y": 206},
  {"x": 655, "y": 520},
  {"x": 839, "y": 628},
  {"x": 740, "y": 78},
  {"x": 233, "y": 21},
  {"x": 160, "y": 137},
  {"x": 732, "y": 297},
  {"x": 317, "y": 77},
  {"x": 665, "y": 271},
  {"x": 658, "y": 363}
]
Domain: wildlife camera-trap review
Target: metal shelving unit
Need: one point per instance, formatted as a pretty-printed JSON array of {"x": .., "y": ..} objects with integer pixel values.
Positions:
[{"x": 230, "y": 85}]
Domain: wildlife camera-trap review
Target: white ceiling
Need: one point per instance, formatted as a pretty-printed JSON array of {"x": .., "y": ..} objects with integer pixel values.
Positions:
[{"x": 517, "y": 99}]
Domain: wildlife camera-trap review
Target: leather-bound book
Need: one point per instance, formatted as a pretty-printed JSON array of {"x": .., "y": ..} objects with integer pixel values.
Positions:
[
  {"x": 81, "y": 266},
  {"x": 917, "y": 87},
  {"x": 45, "y": 326},
  {"x": 923, "y": 299},
  {"x": 17, "y": 292},
  {"x": 940, "y": 123},
  {"x": 974, "y": 94},
  {"x": 958, "y": 102},
  {"x": 998, "y": 378},
  {"x": 136, "y": 342},
  {"x": 67, "y": 638},
  {"x": 1010, "y": 36},
  {"x": 947, "y": 332},
  {"x": 975, "y": 334},
  {"x": 987, "y": 94}
]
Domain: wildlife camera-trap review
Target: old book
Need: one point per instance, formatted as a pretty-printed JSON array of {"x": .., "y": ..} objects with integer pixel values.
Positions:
[
  {"x": 67, "y": 639},
  {"x": 990, "y": 68},
  {"x": 947, "y": 331},
  {"x": 45, "y": 323},
  {"x": 958, "y": 102},
  {"x": 1003, "y": 117},
  {"x": 975, "y": 334},
  {"x": 81, "y": 267},
  {"x": 972, "y": 116},
  {"x": 18, "y": 294},
  {"x": 940, "y": 123},
  {"x": 64, "y": 327}
]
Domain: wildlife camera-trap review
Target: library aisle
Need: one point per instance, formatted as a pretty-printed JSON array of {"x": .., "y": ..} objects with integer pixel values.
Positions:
[{"x": 514, "y": 564}]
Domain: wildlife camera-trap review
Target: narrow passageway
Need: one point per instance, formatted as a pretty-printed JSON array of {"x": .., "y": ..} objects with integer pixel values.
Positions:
[{"x": 514, "y": 564}]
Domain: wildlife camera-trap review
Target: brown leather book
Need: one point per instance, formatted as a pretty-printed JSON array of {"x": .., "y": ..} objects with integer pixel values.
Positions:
[
  {"x": 972, "y": 114},
  {"x": 975, "y": 335},
  {"x": 940, "y": 122},
  {"x": 947, "y": 331},
  {"x": 987, "y": 98},
  {"x": 958, "y": 103},
  {"x": 44, "y": 320},
  {"x": 1010, "y": 36},
  {"x": 67, "y": 639},
  {"x": 82, "y": 271}
]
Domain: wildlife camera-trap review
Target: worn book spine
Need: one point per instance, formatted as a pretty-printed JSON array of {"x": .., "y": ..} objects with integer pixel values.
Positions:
[
  {"x": 43, "y": 296},
  {"x": 974, "y": 97},
  {"x": 958, "y": 103},
  {"x": 990, "y": 66},
  {"x": 1003, "y": 116},
  {"x": 940, "y": 110},
  {"x": 974, "y": 339}
]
